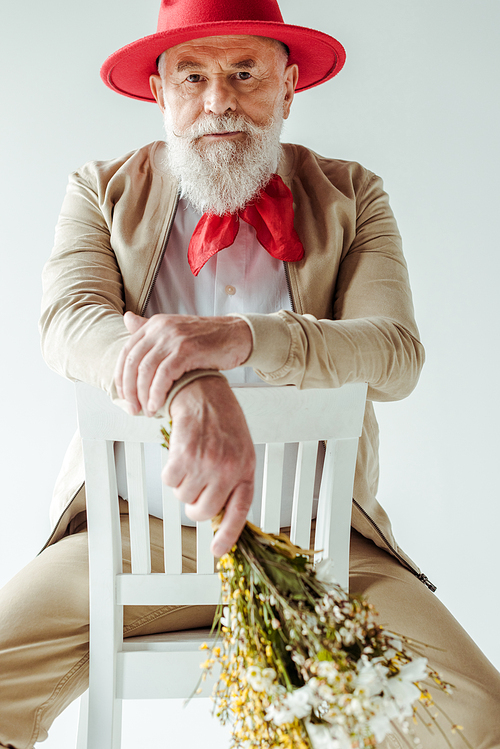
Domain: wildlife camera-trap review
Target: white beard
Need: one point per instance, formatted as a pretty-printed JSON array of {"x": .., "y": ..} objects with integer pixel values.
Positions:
[{"x": 222, "y": 177}]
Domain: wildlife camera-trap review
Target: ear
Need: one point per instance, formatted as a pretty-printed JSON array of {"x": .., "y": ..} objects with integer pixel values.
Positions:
[
  {"x": 291, "y": 79},
  {"x": 156, "y": 87}
]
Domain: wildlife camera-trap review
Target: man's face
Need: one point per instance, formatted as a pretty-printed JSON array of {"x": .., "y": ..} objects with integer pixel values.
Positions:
[
  {"x": 244, "y": 75},
  {"x": 223, "y": 101}
]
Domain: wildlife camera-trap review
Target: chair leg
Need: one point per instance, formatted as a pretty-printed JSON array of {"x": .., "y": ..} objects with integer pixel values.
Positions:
[
  {"x": 105, "y": 722},
  {"x": 99, "y": 729},
  {"x": 83, "y": 722}
]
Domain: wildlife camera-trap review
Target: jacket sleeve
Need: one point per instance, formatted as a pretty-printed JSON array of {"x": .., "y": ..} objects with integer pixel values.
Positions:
[
  {"x": 372, "y": 337},
  {"x": 82, "y": 329},
  {"x": 83, "y": 303}
]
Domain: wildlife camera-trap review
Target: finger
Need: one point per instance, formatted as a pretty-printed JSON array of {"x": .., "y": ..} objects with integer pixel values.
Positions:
[
  {"x": 164, "y": 377},
  {"x": 189, "y": 491},
  {"x": 133, "y": 322},
  {"x": 209, "y": 501},
  {"x": 234, "y": 519},
  {"x": 146, "y": 373},
  {"x": 126, "y": 349},
  {"x": 118, "y": 374},
  {"x": 174, "y": 472},
  {"x": 130, "y": 369}
]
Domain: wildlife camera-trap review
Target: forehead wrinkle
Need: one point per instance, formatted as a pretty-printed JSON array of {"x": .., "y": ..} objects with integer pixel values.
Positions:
[
  {"x": 182, "y": 65},
  {"x": 245, "y": 64},
  {"x": 185, "y": 64}
]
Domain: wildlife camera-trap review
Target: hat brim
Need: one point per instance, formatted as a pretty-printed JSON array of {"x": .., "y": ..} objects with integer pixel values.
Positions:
[{"x": 318, "y": 55}]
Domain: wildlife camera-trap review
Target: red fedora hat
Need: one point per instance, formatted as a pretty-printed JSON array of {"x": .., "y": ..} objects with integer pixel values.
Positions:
[{"x": 319, "y": 56}]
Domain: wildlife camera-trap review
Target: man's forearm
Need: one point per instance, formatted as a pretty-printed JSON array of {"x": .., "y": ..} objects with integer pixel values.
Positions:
[
  {"x": 211, "y": 461},
  {"x": 289, "y": 348}
]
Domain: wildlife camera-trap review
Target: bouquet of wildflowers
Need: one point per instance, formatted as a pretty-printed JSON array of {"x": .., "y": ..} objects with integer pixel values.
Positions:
[{"x": 302, "y": 664}]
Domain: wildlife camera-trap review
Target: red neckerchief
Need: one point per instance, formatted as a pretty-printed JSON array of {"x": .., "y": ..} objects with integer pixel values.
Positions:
[{"x": 271, "y": 216}]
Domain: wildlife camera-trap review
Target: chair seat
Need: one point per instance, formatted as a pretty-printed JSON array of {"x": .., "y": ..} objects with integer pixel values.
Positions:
[{"x": 185, "y": 640}]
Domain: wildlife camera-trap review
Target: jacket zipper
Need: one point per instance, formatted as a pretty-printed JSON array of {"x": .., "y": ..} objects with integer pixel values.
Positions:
[
  {"x": 423, "y": 578},
  {"x": 289, "y": 288},
  {"x": 143, "y": 309},
  {"x": 160, "y": 260}
]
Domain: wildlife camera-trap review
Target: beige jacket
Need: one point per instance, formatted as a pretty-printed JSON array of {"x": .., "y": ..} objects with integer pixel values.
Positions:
[{"x": 353, "y": 315}]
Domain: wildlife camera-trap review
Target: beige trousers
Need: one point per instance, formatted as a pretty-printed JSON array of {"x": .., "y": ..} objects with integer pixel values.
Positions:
[{"x": 44, "y": 638}]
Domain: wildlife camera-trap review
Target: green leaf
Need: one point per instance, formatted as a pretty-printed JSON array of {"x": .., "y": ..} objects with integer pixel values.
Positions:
[
  {"x": 324, "y": 655},
  {"x": 166, "y": 436}
]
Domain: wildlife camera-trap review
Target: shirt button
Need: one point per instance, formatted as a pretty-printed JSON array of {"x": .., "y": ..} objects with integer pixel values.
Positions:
[{"x": 230, "y": 290}]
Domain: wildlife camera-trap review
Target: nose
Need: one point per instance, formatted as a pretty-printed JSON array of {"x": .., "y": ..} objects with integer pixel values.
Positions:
[{"x": 219, "y": 97}]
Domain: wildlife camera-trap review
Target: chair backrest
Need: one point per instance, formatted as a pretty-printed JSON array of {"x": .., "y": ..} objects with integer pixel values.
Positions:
[
  {"x": 165, "y": 666},
  {"x": 275, "y": 415}
]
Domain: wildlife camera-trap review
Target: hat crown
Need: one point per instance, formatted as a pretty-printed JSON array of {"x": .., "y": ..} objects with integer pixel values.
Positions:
[
  {"x": 176, "y": 14},
  {"x": 127, "y": 71}
]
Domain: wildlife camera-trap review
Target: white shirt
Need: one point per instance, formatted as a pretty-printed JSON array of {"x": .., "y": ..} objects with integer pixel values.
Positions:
[{"x": 241, "y": 278}]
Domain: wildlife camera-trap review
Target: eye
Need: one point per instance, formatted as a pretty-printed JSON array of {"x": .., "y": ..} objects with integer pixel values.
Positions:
[
  {"x": 243, "y": 75},
  {"x": 193, "y": 78}
]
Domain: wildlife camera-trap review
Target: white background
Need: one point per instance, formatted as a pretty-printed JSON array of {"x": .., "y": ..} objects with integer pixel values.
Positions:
[{"x": 418, "y": 103}]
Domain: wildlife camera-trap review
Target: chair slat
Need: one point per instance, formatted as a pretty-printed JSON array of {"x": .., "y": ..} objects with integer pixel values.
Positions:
[
  {"x": 103, "y": 516},
  {"x": 138, "y": 508},
  {"x": 333, "y": 529},
  {"x": 272, "y": 485},
  {"x": 172, "y": 533},
  {"x": 204, "y": 558},
  {"x": 303, "y": 494}
]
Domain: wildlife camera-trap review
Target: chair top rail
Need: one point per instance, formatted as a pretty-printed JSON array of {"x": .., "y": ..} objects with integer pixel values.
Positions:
[{"x": 271, "y": 412}]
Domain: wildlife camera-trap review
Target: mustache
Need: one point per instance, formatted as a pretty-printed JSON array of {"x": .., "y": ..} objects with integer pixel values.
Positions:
[{"x": 226, "y": 123}]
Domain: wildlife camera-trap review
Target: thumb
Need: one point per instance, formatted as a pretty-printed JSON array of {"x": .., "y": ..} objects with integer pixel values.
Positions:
[{"x": 133, "y": 322}]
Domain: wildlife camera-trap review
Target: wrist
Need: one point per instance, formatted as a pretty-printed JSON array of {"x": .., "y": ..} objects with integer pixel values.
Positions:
[
  {"x": 241, "y": 337},
  {"x": 193, "y": 390}
]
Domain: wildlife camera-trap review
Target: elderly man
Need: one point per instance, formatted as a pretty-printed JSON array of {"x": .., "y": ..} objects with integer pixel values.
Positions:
[{"x": 222, "y": 251}]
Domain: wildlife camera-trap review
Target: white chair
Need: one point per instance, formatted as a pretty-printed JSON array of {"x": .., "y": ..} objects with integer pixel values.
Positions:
[{"x": 168, "y": 666}]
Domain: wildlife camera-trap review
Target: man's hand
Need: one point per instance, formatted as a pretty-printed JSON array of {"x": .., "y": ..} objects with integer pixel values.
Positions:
[
  {"x": 211, "y": 463},
  {"x": 162, "y": 348}
]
